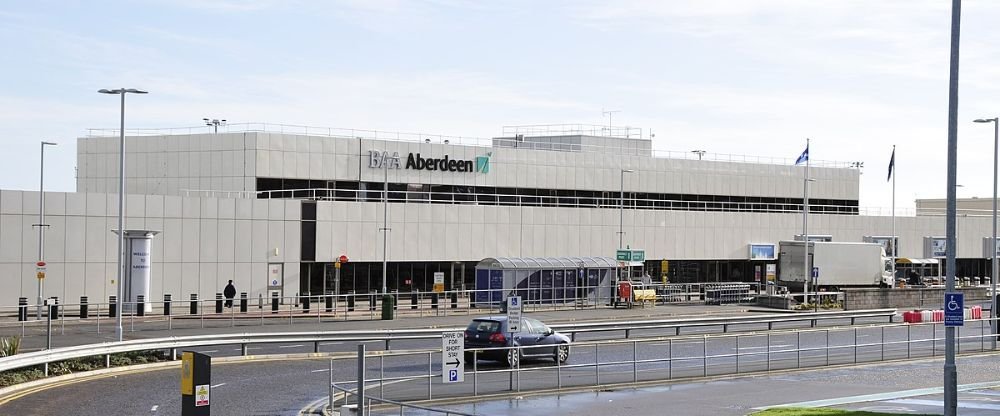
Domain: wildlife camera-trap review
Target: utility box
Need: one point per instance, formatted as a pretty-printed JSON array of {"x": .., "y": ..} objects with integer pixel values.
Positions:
[{"x": 196, "y": 384}]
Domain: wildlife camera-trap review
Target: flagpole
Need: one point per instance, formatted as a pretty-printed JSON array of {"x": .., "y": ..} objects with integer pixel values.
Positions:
[
  {"x": 805, "y": 228},
  {"x": 893, "y": 237}
]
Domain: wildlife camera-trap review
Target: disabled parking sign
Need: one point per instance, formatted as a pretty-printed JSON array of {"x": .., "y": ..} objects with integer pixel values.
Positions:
[{"x": 954, "y": 309}]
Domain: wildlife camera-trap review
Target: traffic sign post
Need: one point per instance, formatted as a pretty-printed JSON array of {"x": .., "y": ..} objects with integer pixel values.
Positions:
[
  {"x": 514, "y": 314},
  {"x": 954, "y": 309},
  {"x": 438, "y": 282},
  {"x": 452, "y": 357}
]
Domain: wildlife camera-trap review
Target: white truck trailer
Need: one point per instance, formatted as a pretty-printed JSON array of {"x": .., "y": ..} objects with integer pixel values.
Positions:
[{"x": 839, "y": 265}]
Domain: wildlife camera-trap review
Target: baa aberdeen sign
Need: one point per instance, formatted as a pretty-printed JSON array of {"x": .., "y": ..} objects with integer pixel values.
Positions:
[{"x": 377, "y": 159}]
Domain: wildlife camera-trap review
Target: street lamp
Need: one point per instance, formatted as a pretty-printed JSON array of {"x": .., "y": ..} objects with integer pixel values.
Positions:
[
  {"x": 121, "y": 202},
  {"x": 993, "y": 255},
  {"x": 41, "y": 226},
  {"x": 621, "y": 209},
  {"x": 214, "y": 123}
]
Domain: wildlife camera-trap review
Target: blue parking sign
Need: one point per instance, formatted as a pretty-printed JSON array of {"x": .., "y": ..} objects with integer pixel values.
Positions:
[
  {"x": 954, "y": 309},
  {"x": 453, "y": 375}
]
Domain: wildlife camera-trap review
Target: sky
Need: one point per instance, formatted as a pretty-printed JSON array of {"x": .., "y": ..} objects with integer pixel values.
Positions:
[{"x": 741, "y": 77}]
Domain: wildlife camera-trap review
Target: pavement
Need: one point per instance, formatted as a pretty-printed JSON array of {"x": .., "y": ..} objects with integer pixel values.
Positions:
[{"x": 76, "y": 332}]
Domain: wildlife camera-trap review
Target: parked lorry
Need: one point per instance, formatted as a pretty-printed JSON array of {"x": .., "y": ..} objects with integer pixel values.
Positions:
[{"x": 840, "y": 265}]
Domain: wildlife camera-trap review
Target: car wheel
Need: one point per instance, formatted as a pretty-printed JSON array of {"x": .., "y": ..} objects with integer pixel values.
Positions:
[
  {"x": 562, "y": 353},
  {"x": 513, "y": 357}
]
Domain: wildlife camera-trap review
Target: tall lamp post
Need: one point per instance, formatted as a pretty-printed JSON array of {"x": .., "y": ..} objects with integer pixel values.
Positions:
[
  {"x": 214, "y": 122},
  {"x": 993, "y": 255},
  {"x": 41, "y": 226},
  {"x": 621, "y": 209},
  {"x": 121, "y": 204}
]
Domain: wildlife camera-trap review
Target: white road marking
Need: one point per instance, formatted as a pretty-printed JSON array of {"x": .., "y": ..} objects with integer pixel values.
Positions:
[
  {"x": 249, "y": 348},
  {"x": 218, "y": 385},
  {"x": 209, "y": 351},
  {"x": 326, "y": 369},
  {"x": 291, "y": 346},
  {"x": 330, "y": 343},
  {"x": 154, "y": 408},
  {"x": 937, "y": 403}
]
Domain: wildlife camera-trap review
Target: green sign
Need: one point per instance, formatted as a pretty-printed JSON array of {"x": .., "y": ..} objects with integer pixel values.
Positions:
[{"x": 630, "y": 255}]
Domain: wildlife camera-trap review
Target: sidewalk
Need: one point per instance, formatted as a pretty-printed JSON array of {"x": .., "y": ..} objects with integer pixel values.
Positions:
[{"x": 76, "y": 332}]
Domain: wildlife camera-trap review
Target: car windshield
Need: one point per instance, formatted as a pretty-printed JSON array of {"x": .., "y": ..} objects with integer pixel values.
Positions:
[{"x": 484, "y": 326}]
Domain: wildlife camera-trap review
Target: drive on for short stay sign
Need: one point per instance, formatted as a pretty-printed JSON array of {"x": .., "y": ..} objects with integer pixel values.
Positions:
[{"x": 452, "y": 357}]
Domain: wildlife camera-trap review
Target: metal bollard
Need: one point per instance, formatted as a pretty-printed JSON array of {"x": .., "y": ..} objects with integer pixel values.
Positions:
[
  {"x": 166, "y": 304},
  {"x": 350, "y": 301},
  {"x": 434, "y": 301},
  {"x": 141, "y": 306},
  {"x": 83, "y": 307},
  {"x": 243, "y": 302},
  {"x": 218, "y": 303},
  {"x": 371, "y": 301},
  {"x": 329, "y": 302},
  {"x": 414, "y": 299},
  {"x": 112, "y": 306},
  {"x": 305, "y": 302},
  {"x": 54, "y": 308},
  {"x": 274, "y": 302},
  {"x": 22, "y": 309},
  {"x": 194, "y": 304},
  {"x": 454, "y": 300}
]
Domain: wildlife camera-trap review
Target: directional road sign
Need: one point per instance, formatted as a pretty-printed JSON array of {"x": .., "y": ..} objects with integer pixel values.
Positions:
[
  {"x": 514, "y": 314},
  {"x": 954, "y": 309},
  {"x": 452, "y": 357}
]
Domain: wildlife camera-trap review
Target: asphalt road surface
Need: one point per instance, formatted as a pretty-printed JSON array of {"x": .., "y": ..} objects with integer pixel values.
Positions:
[{"x": 287, "y": 386}]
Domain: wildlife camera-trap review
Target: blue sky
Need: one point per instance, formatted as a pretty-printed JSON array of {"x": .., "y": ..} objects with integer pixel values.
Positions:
[{"x": 752, "y": 77}]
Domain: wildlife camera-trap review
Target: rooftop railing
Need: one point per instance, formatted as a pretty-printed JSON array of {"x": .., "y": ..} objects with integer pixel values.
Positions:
[{"x": 395, "y": 136}]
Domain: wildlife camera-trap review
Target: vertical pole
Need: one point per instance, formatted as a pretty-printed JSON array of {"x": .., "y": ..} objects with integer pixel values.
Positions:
[
  {"x": 805, "y": 229},
  {"x": 41, "y": 228},
  {"x": 330, "y": 398},
  {"x": 621, "y": 208},
  {"x": 893, "y": 239},
  {"x": 993, "y": 256},
  {"x": 121, "y": 220},
  {"x": 361, "y": 380},
  {"x": 950, "y": 370}
]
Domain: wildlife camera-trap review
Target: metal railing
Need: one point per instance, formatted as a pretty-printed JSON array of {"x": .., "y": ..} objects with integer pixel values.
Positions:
[
  {"x": 621, "y": 362},
  {"x": 605, "y": 200},
  {"x": 172, "y": 344},
  {"x": 442, "y": 139},
  {"x": 174, "y": 313}
]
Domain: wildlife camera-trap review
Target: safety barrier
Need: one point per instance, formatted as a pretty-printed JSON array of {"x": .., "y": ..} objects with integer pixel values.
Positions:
[
  {"x": 621, "y": 362},
  {"x": 727, "y": 293},
  {"x": 919, "y": 316},
  {"x": 172, "y": 344}
]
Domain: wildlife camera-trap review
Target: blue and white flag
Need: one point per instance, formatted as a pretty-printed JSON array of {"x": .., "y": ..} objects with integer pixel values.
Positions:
[
  {"x": 804, "y": 157},
  {"x": 892, "y": 162}
]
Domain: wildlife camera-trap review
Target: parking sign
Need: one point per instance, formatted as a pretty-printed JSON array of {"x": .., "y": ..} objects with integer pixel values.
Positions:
[
  {"x": 452, "y": 357},
  {"x": 514, "y": 314}
]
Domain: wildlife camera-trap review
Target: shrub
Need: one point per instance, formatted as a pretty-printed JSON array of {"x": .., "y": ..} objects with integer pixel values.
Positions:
[{"x": 9, "y": 345}]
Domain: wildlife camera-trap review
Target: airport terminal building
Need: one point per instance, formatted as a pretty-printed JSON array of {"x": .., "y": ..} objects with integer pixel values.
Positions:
[{"x": 273, "y": 207}]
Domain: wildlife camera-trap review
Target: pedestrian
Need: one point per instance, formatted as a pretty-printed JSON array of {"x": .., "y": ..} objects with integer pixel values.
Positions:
[{"x": 230, "y": 293}]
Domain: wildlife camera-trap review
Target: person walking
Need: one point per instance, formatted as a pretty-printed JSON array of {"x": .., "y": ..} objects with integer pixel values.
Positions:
[{"x": 229, "y": 293}]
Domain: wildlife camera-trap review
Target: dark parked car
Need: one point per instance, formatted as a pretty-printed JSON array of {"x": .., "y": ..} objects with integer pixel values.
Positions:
[{"x": 536, "y": 340}]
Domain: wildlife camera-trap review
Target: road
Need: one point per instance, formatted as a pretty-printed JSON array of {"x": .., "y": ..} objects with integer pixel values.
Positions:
[{"x": 286, "y": 386}]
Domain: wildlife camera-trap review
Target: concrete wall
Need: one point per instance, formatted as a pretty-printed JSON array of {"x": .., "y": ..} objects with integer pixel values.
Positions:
[
  {"x": 915, "y": 298},
  {"x": 203, "y": 242},
  {"x": 166, "y": 165}
]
